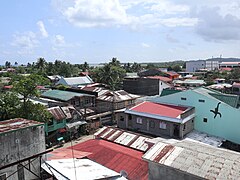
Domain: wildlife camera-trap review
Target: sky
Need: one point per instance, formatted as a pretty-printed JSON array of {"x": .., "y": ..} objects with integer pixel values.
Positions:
[{"x": 131, "y": 30}]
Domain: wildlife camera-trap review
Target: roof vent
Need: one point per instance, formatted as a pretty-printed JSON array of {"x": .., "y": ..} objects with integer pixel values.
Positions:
[{"x": 123, "y": 173}]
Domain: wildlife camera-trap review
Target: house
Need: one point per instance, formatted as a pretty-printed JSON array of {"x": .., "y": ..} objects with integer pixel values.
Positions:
[
  {"x": 236, "y": 88},
  {"x": 78, "y": 100},
  {"x": 22, "y": 144},
  {"x": 158, "y": 119},
  {"x": 115, "y": 100},
  {"x": 151, "y": 72},
  {"x": 75, "y": 81},
  {"x": 172, "y": 75},
  {"x": 164, "y": 82},
  {"x": 216, "y": 113},
  {"x": 141, "y": 86},
  {"x": 57, "y": 122}
]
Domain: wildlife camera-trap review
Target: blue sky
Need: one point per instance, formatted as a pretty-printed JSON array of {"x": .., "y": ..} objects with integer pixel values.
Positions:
[{"x": 131, "y": 30}]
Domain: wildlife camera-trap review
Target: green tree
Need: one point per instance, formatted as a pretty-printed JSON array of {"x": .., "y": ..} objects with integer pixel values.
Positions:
[
  {"x": 9, "y": 104},
  {"x": 41, "y": 65},
  {"x": 110, "y": 75},
  {"x": 26, "y": 87},
  {"x": 176, "y": 68}
]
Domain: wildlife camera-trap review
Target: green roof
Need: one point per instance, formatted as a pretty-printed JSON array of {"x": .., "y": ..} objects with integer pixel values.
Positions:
[
  {"x": 62, "y": 95},
  {"x": 229, "y": 99},
  {"x": 166, "y": 92}
]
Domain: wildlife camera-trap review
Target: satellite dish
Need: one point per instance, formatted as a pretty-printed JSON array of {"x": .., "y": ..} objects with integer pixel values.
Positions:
[{"x": 123, "y": 173}]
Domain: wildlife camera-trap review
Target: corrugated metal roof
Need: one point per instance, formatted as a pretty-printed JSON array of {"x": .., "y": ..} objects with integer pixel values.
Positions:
[
  {"x": 119, "y": 136},
  {"x": 196, "y": 158},
  {"x": 166, "y": 110},
  {"x": 82, "y": 80},
  {"x": 62, "y": 95},
  {"x": 57, "y": 113},
  {"x": 117, "y": 96},
  {"x": 79, "y": 169},
  {"x": 161, "y": 78},
  {"x": 17, "y": 123},
  {"x": 116, "y": 157}
]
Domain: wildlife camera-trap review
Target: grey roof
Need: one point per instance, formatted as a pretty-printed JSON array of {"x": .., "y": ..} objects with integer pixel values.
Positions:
[
  {"x": 82, "y": 80},
  {"x": 196, "y": 158},
  {"x": 62, "y": 95}
]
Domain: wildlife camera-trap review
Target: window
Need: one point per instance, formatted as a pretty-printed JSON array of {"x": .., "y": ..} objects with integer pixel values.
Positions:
[
  {"x": 139, "y": 120},
  {"x": 184, "y": 127},
  {"x": 205, "y": 120},
  {"x": 201, "y": 100},
  {"x": 163, "y": 125},
  {"x": 130, "y": 117},
  {"x": 183, "y": 98},
  {"x": 152, "y": 124},
  {"x": 121, "y": 118},
  {"x": 3, "y": 176}
]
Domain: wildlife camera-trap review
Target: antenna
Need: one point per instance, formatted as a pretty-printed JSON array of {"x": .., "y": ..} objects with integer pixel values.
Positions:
[{"x": 123, "y": 173}]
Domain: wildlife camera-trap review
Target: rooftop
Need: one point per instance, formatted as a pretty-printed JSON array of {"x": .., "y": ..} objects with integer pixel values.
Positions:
[
  {"x": 16, "y": 124},
  {"x": 86, "y": 169},
  {"x": 161, "y": 78},
  {"x": 117, "y": 96},
  {"x": 62, "y": 95},
  {"x": 115, "y": 157},
  {"x": 166, "y": 110},
  {"x": 196, "y": 158},
  {"x": 82, "y": 80},
  {"x": 119, "y": 136},
  {"x": 57, "y": 113}
]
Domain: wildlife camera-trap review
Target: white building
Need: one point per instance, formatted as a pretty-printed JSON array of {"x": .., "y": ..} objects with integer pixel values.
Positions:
[
  {"x": 193, "y": 66},
  {"x": 212, "y": 65}
]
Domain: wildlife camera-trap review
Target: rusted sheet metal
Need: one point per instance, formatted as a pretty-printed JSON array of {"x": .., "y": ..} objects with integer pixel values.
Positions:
[
  {"x": 57, "y": 113},
  {"x": 125, "y": 138},
  {"x": 163, "y": 152}
]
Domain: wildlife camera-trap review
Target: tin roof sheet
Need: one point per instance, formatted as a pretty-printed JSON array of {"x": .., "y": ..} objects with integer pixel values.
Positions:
[
  {"x": 119, "y": 136},
  {"x": 86, "y": 169},
  {"x": 196, "y": 158},
  {"x": 57, "y": 113},
  {"x": 62, "y": 95},
  {"x": 16, "y": 124},
  {"x": 116, "y": 157},
  {"x": 166, "y": 110}
]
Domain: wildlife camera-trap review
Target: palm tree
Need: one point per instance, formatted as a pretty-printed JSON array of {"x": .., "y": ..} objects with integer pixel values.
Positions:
[{"x": 41, "y": 64}]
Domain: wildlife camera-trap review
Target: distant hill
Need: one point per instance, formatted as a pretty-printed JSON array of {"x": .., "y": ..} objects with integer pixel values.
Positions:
[{"x": 224, "y": 59}]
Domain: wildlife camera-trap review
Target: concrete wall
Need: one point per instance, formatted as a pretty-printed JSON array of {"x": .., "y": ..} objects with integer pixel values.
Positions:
[
  {"x": 20, "y": 144},
  {"x": 152, "y": 126},
  {"x": 162, "y": 85},
  {"x": 226, "y": 126},
  {"x": 157, "y": 171},
  {"x": 192, "y": 66}
]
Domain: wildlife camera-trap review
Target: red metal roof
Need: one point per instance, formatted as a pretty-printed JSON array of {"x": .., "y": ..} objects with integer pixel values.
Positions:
[
  {"x": 115, "y": 157},
  {"x": 159, "y": 109},
  {"x": 161, "y": 78}
]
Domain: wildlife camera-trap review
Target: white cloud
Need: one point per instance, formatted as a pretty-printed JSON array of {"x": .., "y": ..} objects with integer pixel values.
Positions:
[
  {"x": 154, "y": 13},
  {"x": 59, "y": 40},
  {"x": 145, "y": 45},
  {"x": 92, "y": 13},
  {"x": 26, "y": 42},
  {"x": 171, "y": 39},
  {"x": 42, "y": 29}
]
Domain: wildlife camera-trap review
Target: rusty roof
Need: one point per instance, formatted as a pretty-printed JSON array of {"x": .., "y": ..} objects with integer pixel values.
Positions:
[
  {"x": 57, "y": 113},
  {"x": 126, "y": 138},
  {"x": 16, "y": 124},
  {"x": 196, "y": 158}
]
